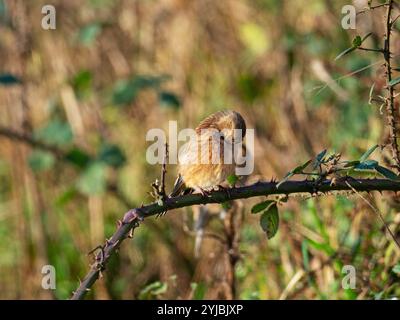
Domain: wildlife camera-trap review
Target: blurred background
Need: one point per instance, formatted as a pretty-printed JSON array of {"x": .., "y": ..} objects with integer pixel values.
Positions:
[{"x": 76, "y": 103}]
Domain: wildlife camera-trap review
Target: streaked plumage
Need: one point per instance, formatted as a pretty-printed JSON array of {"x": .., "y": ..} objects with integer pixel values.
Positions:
[{"x": 201, "y": 173}]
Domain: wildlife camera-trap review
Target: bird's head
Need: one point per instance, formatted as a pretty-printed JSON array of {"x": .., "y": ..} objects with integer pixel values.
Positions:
[{"x": 230, "y": 123}]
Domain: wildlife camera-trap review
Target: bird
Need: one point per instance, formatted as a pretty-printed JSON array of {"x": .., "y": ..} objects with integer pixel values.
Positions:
[{"x": 202, "y": 163}]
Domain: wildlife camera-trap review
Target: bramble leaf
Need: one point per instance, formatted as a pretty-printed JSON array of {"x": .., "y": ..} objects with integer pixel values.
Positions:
[
  {"x": 367, "y": 165},
  {"x": 387, "y": 173},
  {"x": 393, "y": 82},
  {"x": 269, "y": 221},
  {"x": 366, "y": 155},
  {"x": 261, "y": 206}
]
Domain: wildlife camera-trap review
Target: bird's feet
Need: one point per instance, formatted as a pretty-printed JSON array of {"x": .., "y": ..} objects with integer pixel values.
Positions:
[{"x": 205, "y": 192}]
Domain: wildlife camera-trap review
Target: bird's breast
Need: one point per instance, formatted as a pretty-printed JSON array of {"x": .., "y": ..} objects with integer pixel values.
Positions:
[{"x": 204, "y": 164}]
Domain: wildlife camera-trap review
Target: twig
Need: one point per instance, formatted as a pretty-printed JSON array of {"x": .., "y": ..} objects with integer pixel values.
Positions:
[
  {"x": 395, "y": 19},
  {"x": 130, "y": 221},
  {"x": 370, "y": 49},
  {"x": 30, "y": 140},
  {"x": 372, "y": 8},
  {"x": 378, "y": 213},
  {"x": 164, "y": 171},
  {"x": 134, "y": 216},
  {"x": 390, "y": 105}
]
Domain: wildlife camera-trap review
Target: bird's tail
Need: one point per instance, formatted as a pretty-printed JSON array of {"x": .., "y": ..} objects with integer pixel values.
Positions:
[{"x": 178, "y": 187}]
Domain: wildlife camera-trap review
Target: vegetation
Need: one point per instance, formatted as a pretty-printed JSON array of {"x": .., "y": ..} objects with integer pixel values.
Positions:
[{"x": 77, "y": 101}]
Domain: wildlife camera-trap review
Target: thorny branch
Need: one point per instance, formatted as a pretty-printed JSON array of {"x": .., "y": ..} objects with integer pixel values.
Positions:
[
  {"x": 125, "y": 229},
  {"x": 390, "y": 104},
  {"x": 62, "y": 154},
  {"x": 389, "y": 100},
  {"x": 133, "y": 217}
]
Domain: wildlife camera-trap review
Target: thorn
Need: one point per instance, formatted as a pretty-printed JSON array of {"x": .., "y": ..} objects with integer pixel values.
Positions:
[
  {"x": 119, "y": 223},
  {"x": 93, "y": 250},
  {"x": 115, "y": 243},
  {"x": 130, "y": 216}
]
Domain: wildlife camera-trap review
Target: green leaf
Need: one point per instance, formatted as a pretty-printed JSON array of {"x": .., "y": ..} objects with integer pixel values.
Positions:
[
  {"x": 261, "y": 206},
  {"x": 126, "y": 91},
  {"x": 357, "y": 41},
  {"x": 325, "y": 247},
  {"x": 66, "y": 197},
  {"x": 304, "y": 252},
  {"x": 387, "y": 173},
  {"x": 78, "y": 157},
  {"x": 56, "y": 132},
  {"x": 393, "y": 82},
  {"x": 296, "y": 170},
  {"x": 300, "y": 169},
  {"x": 3, "y": 9},
  {"x": 379, "y": 295},
  {"x": 319, "y": 159},
  {"x": 88, "y": 34},
  {"x": 152, "y": 290},
  {"x": 366, "y": 155},
  {"x": 199, "y": 290},
  {"x": 226, "y": 205},
  {"x": 41, "y": 160},
  {"x": 232, "y": 179},
  {"x": 269, "y": 221},
  {"x": 350, "y": 164},
  {"x": 93, "y": 180},
  {"x": 169, "y": 99},
  {"x": 396, "y": 269},
  {"x": 367, "y": 165},
  {"x": 285, "y": 178},
  {"x": 82, "y": 83},
  {"x": 254, "y": 38},
  {"x": 112, "y": 155},
  {"x": 8, "y": 79},
  {"x": 321, "y": 155}
]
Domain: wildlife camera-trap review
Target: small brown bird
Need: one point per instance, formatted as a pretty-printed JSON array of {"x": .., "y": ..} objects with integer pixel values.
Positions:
[{"x": 202, "y": 163}]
